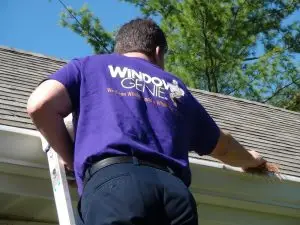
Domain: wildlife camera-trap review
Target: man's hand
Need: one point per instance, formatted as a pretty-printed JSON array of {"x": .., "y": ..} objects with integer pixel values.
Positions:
[
  {"x": 68, "y": 166},
  {"x": 70, "y": 177},
  {"x": 263, "y": 167}
]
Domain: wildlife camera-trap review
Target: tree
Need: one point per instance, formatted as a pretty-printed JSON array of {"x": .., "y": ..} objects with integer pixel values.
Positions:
[
  {"x": 84, "y": 23},
  {"x": 235, "y": 47}
]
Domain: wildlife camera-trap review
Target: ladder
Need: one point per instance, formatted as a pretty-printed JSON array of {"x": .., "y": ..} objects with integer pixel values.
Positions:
[{"x": 59, "y": 178}]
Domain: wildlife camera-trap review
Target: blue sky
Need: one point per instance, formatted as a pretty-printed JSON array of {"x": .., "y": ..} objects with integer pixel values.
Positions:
[{"x": 32, "y": 25}]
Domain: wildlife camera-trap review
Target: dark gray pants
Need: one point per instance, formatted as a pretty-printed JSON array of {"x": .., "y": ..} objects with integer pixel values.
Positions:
[{"x": 133, "y": 194}]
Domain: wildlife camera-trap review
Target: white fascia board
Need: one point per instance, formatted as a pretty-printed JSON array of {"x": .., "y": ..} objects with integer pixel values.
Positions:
[
  {"x": 204, "y": 174},
  {"x": 19, "y": 222},
  {"x": 19, "y": 185},
  {"x": 192, "y": 160},
  {"x": 20, "y": 131},
  {"x": 36, "y": 134},
  {"x": 237, "y": 169},
  {"x": 21, "y": 147},
  {"x": 25, "y": 186},
  {"x": 22, "y": 163},
  {"x": 228, "y": 188}
]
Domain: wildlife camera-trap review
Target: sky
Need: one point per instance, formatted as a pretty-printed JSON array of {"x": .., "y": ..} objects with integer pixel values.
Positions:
[{"x": 33, "y": 25}]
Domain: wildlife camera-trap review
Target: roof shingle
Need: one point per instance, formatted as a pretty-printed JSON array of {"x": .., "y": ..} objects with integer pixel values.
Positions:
[{"x": 274, "y": 132}]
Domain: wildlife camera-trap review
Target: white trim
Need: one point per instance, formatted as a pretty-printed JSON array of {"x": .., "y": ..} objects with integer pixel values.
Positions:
[
  {"x": 37, "y": 187},
  {"x": 192, "y": 160},
  {"x": 213, "y": 164},
  {"x": 23, "y": 163},
  {"x": 237, "y": 169},
  {"x": 226, "y": 188},
  {"x": 19, "y": 222},
  {"x": 20, "y": 130},
  {"x": 25, "y": 186}
]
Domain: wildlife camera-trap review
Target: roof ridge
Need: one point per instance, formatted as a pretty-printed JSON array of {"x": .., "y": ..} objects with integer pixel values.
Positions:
[
  {"x": 32, "y": 53},
  {"x": 243, "y": 100}
]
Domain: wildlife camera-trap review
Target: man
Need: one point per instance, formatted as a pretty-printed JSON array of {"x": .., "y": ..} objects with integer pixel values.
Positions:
[{"x": 135, "y": 124}]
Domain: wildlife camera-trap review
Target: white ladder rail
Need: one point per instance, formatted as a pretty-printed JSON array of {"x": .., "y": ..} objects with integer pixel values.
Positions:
[{"x": 59, "y": 180}]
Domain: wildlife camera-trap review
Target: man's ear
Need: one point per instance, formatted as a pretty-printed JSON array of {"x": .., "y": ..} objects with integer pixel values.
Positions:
[{"x": 159, "y": 57}]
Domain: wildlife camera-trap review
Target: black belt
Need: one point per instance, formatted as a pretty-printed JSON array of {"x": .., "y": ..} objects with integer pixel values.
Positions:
[{"x": 121, "y": 159}]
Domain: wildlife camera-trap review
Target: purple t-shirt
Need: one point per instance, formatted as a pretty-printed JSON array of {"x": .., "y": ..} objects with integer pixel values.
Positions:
[{"x": 128, "y": 106}]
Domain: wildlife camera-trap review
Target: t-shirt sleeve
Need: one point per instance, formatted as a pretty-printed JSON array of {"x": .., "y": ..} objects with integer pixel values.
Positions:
[
  {"x": 70, "y": 77},
  {"x": 205, "y": 132}
]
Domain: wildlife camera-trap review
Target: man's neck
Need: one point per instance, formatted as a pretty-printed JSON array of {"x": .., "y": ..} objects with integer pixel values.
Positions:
[{"x": 137, "y": 55}]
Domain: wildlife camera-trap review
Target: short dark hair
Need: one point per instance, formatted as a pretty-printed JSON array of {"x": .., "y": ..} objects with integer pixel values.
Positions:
[{"x": 140, "y": 35}]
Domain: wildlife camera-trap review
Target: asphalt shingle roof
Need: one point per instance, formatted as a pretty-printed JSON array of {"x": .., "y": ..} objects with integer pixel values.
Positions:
[{"x": 272, "y": 131}]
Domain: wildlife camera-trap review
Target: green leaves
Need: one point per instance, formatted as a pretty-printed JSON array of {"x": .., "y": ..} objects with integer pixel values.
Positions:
[
  {"x": 235, "y": 47},
  {"x": 84, "y": 23},
  {"x": 240, "y": 48}
]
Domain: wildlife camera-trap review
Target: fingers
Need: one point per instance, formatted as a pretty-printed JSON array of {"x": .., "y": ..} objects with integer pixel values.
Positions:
[
  {"x": 70, "y": 177},
  {"x": 272, "y": 167},
  {"x": 72, "y": 183},
  {"x": 267, "y": 168}
]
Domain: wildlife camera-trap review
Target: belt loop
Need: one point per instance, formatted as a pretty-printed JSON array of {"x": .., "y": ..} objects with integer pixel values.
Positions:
[
  {"x": 170, "y": 170},
  {"x": 89, "y": 171},
  {"x": 87, "y": 176},
  {"x": 135, "y": 160}
]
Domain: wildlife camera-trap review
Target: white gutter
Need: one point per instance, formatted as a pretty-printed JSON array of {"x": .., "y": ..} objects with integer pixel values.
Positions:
[
  {"x": 192, "y": 160},
  {"x": 23, "y": 163},
  {"x": 237, "y": 169},
  {"x": 20, "y": 131}
]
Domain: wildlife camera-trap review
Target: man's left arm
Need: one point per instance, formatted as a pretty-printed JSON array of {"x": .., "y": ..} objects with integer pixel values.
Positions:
[
  {"x": 209, "y": 139},
  {"x": 47, "y": 107}
]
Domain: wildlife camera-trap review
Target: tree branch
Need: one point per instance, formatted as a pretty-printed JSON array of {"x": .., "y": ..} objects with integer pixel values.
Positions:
[
  {"x": 209, "y": 85},
  {"x": 252, "y": 58},
  {"x": 239, "y": 87},
  {"x": 209, "y": 73},
  {"x": 92, "y": 35},
  {"x": 278, "y": 91}
]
